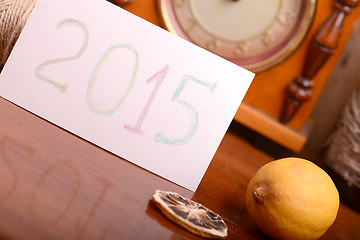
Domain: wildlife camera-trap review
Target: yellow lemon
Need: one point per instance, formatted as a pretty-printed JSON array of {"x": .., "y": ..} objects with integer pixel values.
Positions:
[{"x": 292, "y": 198}]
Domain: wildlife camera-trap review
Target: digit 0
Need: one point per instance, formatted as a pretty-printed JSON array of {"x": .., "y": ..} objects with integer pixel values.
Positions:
[{"x": 93, "y": 104}]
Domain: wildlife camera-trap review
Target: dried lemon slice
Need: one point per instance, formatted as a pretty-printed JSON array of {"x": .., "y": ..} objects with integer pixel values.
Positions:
[{"x": 190, "y": 215}]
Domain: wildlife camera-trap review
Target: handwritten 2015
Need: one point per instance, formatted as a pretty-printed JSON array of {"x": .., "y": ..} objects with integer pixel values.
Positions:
[{"x": 157, "y": 79}]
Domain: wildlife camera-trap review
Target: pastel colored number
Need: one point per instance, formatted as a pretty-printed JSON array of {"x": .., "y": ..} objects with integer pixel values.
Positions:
[
  {"x": 97, "y": 83},
  {"x": 159, "y": 78},
  {"x": 160, "y": 137},
  {"x": 94, "y": 76},
  {"x": 63, "y": 86}
]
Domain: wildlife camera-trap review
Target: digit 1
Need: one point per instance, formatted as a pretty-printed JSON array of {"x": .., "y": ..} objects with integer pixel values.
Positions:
[{"x": 159, "y": 77}]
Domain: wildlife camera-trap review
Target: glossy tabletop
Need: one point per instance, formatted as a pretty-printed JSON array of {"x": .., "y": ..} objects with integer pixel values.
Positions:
[{"x": 54, "y": 185}]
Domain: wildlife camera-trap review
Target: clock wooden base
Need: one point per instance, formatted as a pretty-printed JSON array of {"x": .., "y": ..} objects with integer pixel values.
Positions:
[{"x": 273, "y": 129}]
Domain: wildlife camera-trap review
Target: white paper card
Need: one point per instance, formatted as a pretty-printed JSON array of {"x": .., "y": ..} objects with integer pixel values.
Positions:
[{"x": 125, "y": 85}]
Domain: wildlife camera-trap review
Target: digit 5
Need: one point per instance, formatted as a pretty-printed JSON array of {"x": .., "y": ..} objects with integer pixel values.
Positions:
[{"x": 160, "y": 137}]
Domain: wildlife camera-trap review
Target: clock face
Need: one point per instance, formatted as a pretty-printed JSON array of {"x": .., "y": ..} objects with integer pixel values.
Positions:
[{"x": 255, "y": 34}]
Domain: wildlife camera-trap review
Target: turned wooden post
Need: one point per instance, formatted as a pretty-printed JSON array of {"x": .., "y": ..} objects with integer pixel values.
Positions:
[{"x": 321, "y": 47}]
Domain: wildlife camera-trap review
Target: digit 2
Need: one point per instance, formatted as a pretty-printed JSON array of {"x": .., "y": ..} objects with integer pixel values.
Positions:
[{"x": 63, "y": 86}]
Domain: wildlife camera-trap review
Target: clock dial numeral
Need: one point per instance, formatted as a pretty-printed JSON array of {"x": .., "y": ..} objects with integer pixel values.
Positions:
[
  {"x": 285, "y": 18},
  {"x": 241, "y": 48},
  {"x": 213, "y": 44},
  {"x": 192, "y": 24},
  {"x": 267, "y": 38}
]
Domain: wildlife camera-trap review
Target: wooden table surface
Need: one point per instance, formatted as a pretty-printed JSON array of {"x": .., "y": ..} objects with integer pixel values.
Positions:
[{"x": 54, "y": 185}]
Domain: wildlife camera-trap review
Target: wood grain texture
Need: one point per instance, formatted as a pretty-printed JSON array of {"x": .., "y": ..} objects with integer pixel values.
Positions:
[
  {"x": 54, "y": 185},
  {"x": 272, "y": 129},
  {"x": 57, "y": 186}
]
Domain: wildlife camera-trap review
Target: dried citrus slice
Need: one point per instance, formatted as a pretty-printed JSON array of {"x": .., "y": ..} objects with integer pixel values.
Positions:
[{"x": 190, "y": 215}]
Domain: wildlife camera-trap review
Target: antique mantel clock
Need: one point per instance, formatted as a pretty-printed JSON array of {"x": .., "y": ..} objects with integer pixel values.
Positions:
[
  {"x": 255, "y": 34},
  {"x": 269, "y": 37}
]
